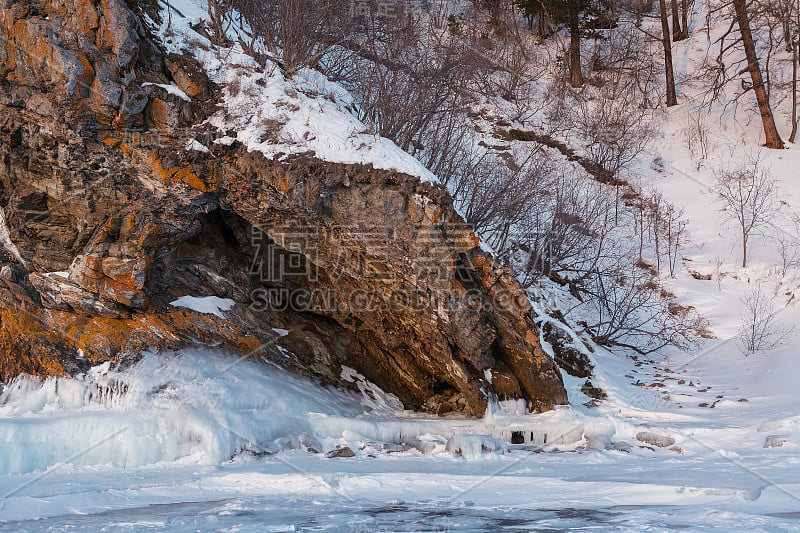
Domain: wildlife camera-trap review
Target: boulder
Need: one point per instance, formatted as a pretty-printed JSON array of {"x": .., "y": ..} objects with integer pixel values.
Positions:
[
  {"x": 654, "y": 439},
  {"x": 344, "y": 451},
  {"x": 774, "y": 441}
]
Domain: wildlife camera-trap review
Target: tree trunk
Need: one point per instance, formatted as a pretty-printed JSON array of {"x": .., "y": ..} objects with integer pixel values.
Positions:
[
  {"x": 685, "y": 17},
  {"x": 787, "y": 32},
  {"x": 495, "y": 20},
  {"x": 773, "y": 138},
  {"x": 677, "y": 33},
  {"x": 794, "y": 92},
  {"x": 541, "y": 26},
  {"x": 672, "y": 98},
  {"x": 744, "y": 249},
  {"x": 786, "y": 19},
  {"x": 575, "y": 74}
]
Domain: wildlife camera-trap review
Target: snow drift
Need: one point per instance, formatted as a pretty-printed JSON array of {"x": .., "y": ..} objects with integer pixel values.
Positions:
[
  {"x": 201, "y": 406},
  {"x": 195, "y": 404}
]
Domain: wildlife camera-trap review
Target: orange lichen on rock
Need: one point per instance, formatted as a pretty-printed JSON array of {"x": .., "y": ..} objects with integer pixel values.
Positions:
[
  {"x": 16, "y": 364},
  {"x": 180, "y": 174},
  {"x": 187, "y": 176},
  {"x": 110, "y": 139},
  {"x": 185, "y": 81},
  {"x": 107, "y": 338},
  {"x": 159, "y": 113},
  {"x": 86, "y": 16},
  {"x": 26, "y": 347},
  {"x": 103, "y": 339}
]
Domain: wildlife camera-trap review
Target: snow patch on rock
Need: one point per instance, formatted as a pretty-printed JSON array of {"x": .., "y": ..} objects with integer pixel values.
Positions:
[
  {"x": 209, "y": 305},
  {"x": 171, "y": 89}
]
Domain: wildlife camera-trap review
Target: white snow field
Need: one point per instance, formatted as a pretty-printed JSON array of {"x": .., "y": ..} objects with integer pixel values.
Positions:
[{"x": 203, "y": 441}]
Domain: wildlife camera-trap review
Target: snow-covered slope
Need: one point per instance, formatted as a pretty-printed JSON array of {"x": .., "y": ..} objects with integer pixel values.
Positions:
[{"x": 275, "y": 115}]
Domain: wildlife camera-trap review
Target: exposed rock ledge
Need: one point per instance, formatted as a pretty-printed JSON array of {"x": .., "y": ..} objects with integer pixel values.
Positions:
[{"x": 363, "y": 268}]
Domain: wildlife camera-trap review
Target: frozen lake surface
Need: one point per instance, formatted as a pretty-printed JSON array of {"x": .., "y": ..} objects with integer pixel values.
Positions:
[{"x": 199, "y": 441}]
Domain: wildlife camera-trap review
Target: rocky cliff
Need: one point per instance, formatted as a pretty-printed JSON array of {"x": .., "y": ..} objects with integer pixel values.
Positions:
[{"x": 107, "y": 218}]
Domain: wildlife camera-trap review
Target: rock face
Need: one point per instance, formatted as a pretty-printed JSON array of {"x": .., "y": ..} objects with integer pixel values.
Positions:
[{"x": 105, "y": 219}]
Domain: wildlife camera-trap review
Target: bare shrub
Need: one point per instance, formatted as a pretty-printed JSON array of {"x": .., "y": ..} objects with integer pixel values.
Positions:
[
  {"x": 573, "y": 237},
  {"x": 654, "y": 203},
  {"x": 219, "y": 21},
  {"x": 543, "y": 218},
  {"x": 674, "y": 228},
  {"x": 566, "y": 236},
  {"x": 624, "y": 62},
  {"x": 697, "y": 138},
  {"x": 614, "y": 132},
  {"x": 449, "y": 149},
  {"x": 509, "y": 69},
  {"x": 440, "y": 11},
  {"x": 293, "y": 33},
  {"x": 497, "y": 197},
  {"x": 666, "y": 227},
  {"x": 631, "y": 312},
  {"x": 559, "y": 111},
  {"x": 403, "y": 86}
]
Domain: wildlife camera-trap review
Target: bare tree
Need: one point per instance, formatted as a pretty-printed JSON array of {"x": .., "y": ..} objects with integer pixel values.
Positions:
[
  {"x": 786, "y": 238},
  {"x": 760, "y": 330},
  {"x": 574, "y": 24},
  {"x": 792, "y": 35},
  {"x": 773, "y": 138},
  {"x": 685, "y": 7},
  {"x": 748, "y": 196},
  {"x": 795, "y": 46},
  {"x": 674, "y": 227},
  {"x": 776, "y": 23}
]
